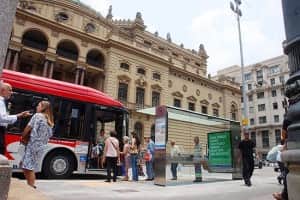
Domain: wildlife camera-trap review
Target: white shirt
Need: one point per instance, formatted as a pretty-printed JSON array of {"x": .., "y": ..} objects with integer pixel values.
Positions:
[
  {"x": 5, "y": 119},
  {"x": 111, "y": 144}
]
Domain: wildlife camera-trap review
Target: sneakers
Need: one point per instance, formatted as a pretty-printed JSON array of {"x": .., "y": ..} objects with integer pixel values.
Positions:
[{"x": 173, "y": 179}]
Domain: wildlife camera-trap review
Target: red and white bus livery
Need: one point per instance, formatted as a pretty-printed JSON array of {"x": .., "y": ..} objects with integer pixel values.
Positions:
[{"x": 79, "y": 114}]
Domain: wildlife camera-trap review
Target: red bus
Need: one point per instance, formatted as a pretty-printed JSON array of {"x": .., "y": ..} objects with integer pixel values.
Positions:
[{"x": 79, "y": 114}]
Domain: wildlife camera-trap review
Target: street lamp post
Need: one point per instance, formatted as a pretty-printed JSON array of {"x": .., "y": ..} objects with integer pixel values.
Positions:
[{"x": 235, "y": 7}]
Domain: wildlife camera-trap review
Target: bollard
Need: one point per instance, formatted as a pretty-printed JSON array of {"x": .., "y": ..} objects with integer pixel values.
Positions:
[
  {"x": 291, "y": 157},
  {"x": 5, "y": 174}
]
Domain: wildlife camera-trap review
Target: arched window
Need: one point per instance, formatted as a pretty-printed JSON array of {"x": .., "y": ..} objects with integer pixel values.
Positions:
[
  {"x": 35, "y": 39},
  {"x": 153, "y": 132},
  {"x": 233, "y": 111},
  {"x": 138, "y": 129},
  {"x": 67, "y": 49},
  {"x": 95, "y": 58}
]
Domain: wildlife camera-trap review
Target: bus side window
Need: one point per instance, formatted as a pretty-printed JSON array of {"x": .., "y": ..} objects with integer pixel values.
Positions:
[
  {"x": 69, "y": 119},
  {"x": 19, "y": 102}
]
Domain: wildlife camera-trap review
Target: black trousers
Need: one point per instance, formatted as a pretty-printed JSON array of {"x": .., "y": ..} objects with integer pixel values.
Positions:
[
  {"x": 111, "y": 164},
  {"x": 2, "y": 147},
  {"x": 248, "y": 168},
  {"x": 284, "y": 192}
]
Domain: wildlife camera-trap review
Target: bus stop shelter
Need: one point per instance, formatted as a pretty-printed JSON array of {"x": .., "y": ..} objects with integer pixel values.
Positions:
[{"x": 219, "y": 139}]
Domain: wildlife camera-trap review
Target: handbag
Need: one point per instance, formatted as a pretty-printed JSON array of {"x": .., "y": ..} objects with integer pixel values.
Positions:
[{"x": 147, "y": 156}]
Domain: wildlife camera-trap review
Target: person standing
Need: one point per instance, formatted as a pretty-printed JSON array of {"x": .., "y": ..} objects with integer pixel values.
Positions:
[
  {"x": 246, "y": 147},
  {"x": 134, "y": 151},
  {"x": 175, "y": 152},
  {"x": 197, "y": 159},
  {"x": 125, "y": 153},
  {"x": 111, "y": 155},
  {"x": 35, "y": 137},
  {"x": 5, "y": 119},
  {"x": 149, "y": 160},
  {"x": 100, "y": 145}
]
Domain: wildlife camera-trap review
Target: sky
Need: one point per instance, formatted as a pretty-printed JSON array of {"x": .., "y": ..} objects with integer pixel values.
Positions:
[{"x": 209, "y": 22}]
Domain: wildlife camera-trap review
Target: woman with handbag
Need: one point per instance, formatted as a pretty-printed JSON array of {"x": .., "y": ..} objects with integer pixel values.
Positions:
[
  {"x": 35, "y": 137},
  {"x": 149, "y": 157},
  {"x": 111, "y": 155}
]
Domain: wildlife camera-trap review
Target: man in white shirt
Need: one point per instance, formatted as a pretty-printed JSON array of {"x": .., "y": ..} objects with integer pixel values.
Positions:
[{"x": 5, "y": 119}]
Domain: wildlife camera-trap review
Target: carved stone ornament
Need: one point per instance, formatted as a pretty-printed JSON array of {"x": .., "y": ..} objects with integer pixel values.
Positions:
[
  {"x": 210, "y": 96},
  {"x": 61, "y": 16},
  {"x": 184, "y": 88},
  {"x": 215, "y": 105},
  {"x": 54, "y": 33},
  {"x": 170, "y": 84},
  {"x": 141, "y": 82},
  {"x": 90, "y": 27},
  {"x": 204, "y": 101},
  {"x": 198, "y": 92},
  {"x": 177, "y": 94},
  {"x": 156, "y": 87},
  {"x": 220, "y": 99},
  {"x": 84, "y": 43},
  {"x": 192, "y": 98},
  {"x": 124, "y": 78}
]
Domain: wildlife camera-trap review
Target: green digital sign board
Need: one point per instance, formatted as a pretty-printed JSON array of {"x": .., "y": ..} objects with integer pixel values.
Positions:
[{"x": 219, "y": 149}]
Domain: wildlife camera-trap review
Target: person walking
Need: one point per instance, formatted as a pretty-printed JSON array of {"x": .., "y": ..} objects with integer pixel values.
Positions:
[
  {"x": 35, "y": 138},
  {"x": 5, "y": 119},
  {"x": 197, "y": 159},
  {"x": 246, "y": 147},
  {"x": 134, "y": 151},
  {"x": 149, "y": 159},
  {"x": 175, "y": 152},
  {"x": 111, "y": 155},
  {"x": 125, "y": 153}
]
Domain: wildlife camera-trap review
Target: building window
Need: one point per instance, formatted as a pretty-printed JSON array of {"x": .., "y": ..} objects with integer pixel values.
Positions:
[
  {"x": 281, "y": 79},
  {"x": 282, "y": 91},
  {"x": 259, "y": 77},
  {"x": 275, "y": 105},
  {"x": 276, "y": 118},
  {"x": 260, "y": 95},
  {"x": 251, "y": 109},
  {"x": 265, "y": 139},
  {"x": 177, "y": 103},
  {"x": 61, "y": 17},
  {"x": 156, "y": 76},
  {"x": 216, "y": 112},
  {"x": 191, "y": 106},
  {"x": 253, "y": 137},
  {"x": 122, "y": 92},
  {"x": 247, "y": 76},
  {"x": 233, "y": 111},
  {"x": 140, "y": 97},
  {"x": 249, "y": 86},
  {"x": 138, "y": 129},
  {"x": 261, "y": 107},
  {"x": 155, "y": 99},
  {"x": 141, "y": 71},
  {"x": 274, "y": 69},
  {"x": 250, "y": 97},
  {"x": 277, "y": 136},
  {"x": 252, "y": 121},
  {"x": 262, "y": 120},
  {"x": 274, "y": 93},
  {"x": 272, "y": 80},
  {"x": 204, "y": 109},
  {"x": 124, "y": 66}
]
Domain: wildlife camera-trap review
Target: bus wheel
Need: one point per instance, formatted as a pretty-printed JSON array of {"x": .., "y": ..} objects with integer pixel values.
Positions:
[{"x": 58, "y": 165}]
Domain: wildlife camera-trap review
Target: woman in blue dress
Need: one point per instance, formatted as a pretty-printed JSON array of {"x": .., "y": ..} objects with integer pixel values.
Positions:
[{"x": 35, "y": 136}]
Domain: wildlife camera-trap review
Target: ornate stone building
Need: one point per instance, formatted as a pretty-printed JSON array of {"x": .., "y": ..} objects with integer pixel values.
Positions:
[{"x": 69, "y": 41}]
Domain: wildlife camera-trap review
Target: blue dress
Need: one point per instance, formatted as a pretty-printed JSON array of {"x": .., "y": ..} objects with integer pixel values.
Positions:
[{"x": 39, "y": 136}]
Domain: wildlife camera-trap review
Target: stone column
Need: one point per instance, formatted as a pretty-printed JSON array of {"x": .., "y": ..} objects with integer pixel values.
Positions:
[
  {"x": 77, "y": 75},
  {"x": 291, "y": 45},
  {"x": 7, "y": 14},
  {"x": 45, "y": 70},
  {"x": 16, "y": 60},
  {"x": 51, "y": 70},
  {"x": 8, "y": 59},
  {"x": 82, "y": 76}
]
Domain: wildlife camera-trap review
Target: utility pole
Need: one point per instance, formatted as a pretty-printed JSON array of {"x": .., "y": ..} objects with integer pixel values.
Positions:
[{"x": 235, "y": 7}]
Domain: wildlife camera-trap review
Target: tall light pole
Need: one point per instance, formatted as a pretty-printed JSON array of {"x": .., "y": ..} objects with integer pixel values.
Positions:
[{"x": 235, "y": 7}]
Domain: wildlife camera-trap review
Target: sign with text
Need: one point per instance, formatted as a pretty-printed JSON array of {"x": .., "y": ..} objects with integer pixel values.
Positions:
[
  {"x": 161, "y": 127},
  {"x": 219, "y": 150}
]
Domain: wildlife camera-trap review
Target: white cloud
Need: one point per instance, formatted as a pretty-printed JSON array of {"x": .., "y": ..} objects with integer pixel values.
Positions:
[{"x": 99, "y": 5}]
